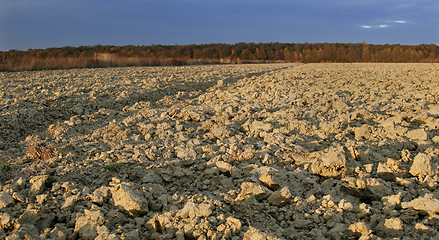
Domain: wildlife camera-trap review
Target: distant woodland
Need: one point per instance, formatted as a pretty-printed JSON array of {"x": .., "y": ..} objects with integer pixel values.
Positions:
[{"x": 159, "y": 55}]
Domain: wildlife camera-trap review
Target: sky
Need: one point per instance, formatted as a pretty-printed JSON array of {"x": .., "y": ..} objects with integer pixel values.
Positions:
[{"x": 39, "y": 24}]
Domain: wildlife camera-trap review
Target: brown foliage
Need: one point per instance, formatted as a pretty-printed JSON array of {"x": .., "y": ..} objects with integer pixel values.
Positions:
[{"x": 159, "y": 55}]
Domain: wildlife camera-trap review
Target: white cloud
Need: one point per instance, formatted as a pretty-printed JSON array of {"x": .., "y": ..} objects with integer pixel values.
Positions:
[
  {"x": 398, "y": 21},
  {"x": 387, "y": 24},
  {"x": 375, "y": 26}
]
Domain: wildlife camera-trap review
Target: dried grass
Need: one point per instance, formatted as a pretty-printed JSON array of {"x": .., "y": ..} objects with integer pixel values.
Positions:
[{"x": 41, "y": 151}]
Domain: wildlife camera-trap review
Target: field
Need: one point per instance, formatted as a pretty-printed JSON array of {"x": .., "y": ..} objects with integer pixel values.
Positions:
[{"x": 274, "y": 151}]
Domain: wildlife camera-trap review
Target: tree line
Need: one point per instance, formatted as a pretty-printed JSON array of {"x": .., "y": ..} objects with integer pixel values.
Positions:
[{"x": 158, "y": 55}]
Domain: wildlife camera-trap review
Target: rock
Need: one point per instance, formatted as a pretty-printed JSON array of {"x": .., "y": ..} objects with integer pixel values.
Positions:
[
  {"x": 389, "y": 170},
  {"x": 185, "y": 153},
  {"x": 256, "y": 234},
  {"x": 332, "y": 164},
  {"x": 422, "y": 165},
  {"x": 59, "y": 232},
  {"x": 89, "y": 224},
  {"x": 418, "y": 134},
  {"x": 345, "y": 205},
  {"x": 426, "y": 204},
  {"x": 434, "y": 110},
  {"x": 224, "y": 166},
  {"x": 126, "y": 198},
  {"x": 152, "y": 177},
  {"x": 100, "y": 195},
  {"x": 260, "y": 126},
  {"x": 231, "y": 226},
  {"x": 359, "y": 229},
  {"x": 392, "y": 200},
  {"x": 421, "y": 228},
  {"x": 221, "y": 132},
  {"x": 368, "y": 189},
  {"x": 392, "y": 227},
  {"x": 70, "y": 202},
  {"x": 6, "y": 200},
  {"x": 363, "y": 132},
  {"x": 38, "y": 184},
  {"x": 192, "y": 210},
  {"x": 6, "y": 221},
  {"x": 37, "y": 218},
  {"x": 268, "y": 176},
  {"x": 254, "y": 189},
  {"x": 280, "y": 197},
  {"x": 268, "y": 180}
]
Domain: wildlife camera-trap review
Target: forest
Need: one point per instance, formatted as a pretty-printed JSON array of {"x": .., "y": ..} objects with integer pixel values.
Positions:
[{"x": 164, "y": 55}]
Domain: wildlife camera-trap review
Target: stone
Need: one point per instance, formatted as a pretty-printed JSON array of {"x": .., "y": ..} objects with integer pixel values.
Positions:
[
  {"x": 88, "y": 224},
  {"x": 125, "y": 197},
  {"x": 38, "y": 184},
  {"x": 250, "y": 188},
  {"x": 185, "y": 153},
  {"x": 363, "y": 132},
  {"x": 59, "y": 232},
  {"x": 418, "y": 134},
  {"x": 421, "y": 228},
  {"x": 434, "y": 110},
  {"x": 367, "y": 188},
  {"x": 332, "y": 164},
  {"x": 224, "y": 166},
  {"x": 426, "y": 204},
  {"x": 256, "y": 234},
  {"x": 221, "y": 132},
  {"x": 392, "y": 200},
  {"x": 38, "y": 218},
  {"x": 345, "y": 205},
  {"x": 70, "y": 202},
  {"x": 192, "y": 210},
  {"x": 280, "y": 197},
  {"x": 6, "y": 221},
  {"x": 389, "y": 170},
  {"x": 6, "y": 200},
  {"x": 233, "y": 224},
  {"x": 392, "y": 227},
  {"x": 359, "y": 229},
  {"x": 268, "y": 176},
  {"x": 422, "y": 165},
  {"x": 268, "y": 180},
  {"x": 100, "y": 195},
  {"x": 260, "y": 126},
  {"x": 152, "y": 177}
]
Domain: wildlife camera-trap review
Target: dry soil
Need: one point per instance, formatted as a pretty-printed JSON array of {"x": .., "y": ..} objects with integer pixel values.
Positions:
[{"x": 280, "y": 151}]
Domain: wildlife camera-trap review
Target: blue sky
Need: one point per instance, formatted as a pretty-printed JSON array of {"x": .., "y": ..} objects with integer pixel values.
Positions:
[{"x": 26, "y": 24}]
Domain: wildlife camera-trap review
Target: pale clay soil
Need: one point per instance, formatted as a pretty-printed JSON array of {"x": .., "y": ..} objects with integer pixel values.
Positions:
[{"x": 280, "y": 151}]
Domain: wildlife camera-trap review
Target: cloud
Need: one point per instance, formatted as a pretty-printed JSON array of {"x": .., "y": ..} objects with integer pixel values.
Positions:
[
  {"x": 375, "y": 26},
  {"x": 387, "y": 24},
  {"x": 398, "y": 21}
]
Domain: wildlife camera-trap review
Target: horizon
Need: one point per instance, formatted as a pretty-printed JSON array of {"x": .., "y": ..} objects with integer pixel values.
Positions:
[{"x": 25, "y": 24}]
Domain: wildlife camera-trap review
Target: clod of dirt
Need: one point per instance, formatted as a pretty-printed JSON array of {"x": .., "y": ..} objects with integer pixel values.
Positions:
[
  {"x": 124, "y": 196},
  {"x": 332, "y": 164}
]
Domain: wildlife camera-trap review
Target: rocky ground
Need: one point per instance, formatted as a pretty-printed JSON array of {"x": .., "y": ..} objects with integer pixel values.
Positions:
[{"x": 281, "y": 151}]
